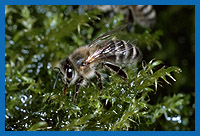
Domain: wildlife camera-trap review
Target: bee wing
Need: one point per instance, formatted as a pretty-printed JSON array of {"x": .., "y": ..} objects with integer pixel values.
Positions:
[
  {"x": 110, "y": 49},
  {"x": 106, "y": 36}
]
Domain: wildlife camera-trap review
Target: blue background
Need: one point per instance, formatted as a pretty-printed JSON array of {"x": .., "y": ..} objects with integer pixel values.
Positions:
[{"x": 102, "y": 2}]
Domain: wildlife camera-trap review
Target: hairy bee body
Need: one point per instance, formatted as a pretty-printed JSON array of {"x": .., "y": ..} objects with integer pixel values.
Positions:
[
  {"x": 77, "y": 58},
  {"x": 87, "y": 61},
  {"x": 143, "y": 15},
  {"x": 121, "y": 52}
]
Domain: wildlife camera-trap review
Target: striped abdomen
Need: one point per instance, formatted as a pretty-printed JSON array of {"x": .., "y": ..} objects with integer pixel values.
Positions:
[
  {"x": 144, "y": 15},
  {"x": 123, "y": 52}
]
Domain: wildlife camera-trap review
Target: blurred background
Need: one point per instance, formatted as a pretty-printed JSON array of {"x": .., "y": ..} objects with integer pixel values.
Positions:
[{"x": 38, "y": 37}]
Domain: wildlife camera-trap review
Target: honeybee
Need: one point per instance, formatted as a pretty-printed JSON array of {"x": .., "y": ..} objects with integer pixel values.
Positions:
[
  {"x": 143, "y": 15},
  {"x": 86, "y": 62}
]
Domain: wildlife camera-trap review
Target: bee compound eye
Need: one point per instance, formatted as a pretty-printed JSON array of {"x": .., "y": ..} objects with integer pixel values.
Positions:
[{"x": 69, "y": 72}]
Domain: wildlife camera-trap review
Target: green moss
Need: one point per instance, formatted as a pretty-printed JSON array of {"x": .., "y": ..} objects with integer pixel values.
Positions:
[{"x": 38, "y": 37}]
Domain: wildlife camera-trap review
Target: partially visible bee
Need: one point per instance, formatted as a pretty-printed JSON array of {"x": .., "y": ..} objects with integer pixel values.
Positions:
[
  {"x": 143, "y": 15},
  {"x": 86, "y": 62}
]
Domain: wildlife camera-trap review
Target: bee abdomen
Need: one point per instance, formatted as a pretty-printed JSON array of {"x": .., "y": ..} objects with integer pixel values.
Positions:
[
  {"x": 124, "y": 52},
  {"x": 145, "y": 15}
]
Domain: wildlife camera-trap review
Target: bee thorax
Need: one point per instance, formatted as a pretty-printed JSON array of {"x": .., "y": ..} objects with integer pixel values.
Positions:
[{"x": 88, "y": 73}]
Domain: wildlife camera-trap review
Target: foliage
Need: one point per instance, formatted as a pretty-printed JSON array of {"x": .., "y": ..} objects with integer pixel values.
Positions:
[{"x": 38, "y": 37}]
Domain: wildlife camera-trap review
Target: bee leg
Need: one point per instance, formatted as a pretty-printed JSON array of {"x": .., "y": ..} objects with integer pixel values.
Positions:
[
  {"x": 77, "y": 89},
  {"x": 99, "y": 83},
  {"x": 118, "y": 71}
]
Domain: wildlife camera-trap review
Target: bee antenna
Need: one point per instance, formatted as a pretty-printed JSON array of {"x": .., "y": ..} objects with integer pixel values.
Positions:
[{"x": 54, "y": 86}]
